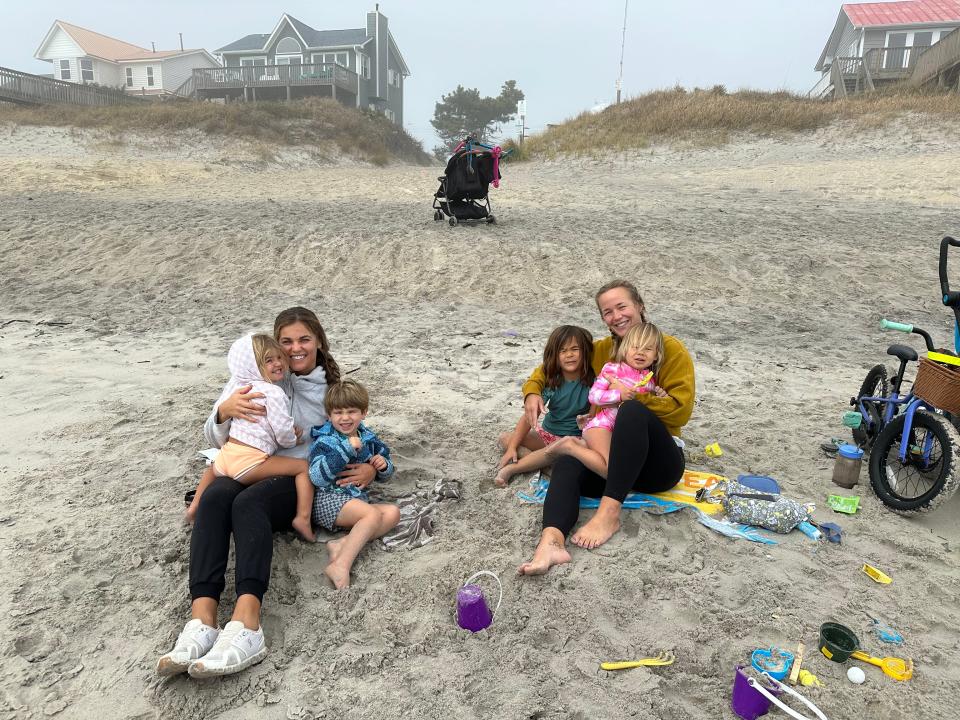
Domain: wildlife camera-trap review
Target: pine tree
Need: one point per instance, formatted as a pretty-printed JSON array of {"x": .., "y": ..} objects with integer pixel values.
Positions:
[{"x": 464, "y": 112}]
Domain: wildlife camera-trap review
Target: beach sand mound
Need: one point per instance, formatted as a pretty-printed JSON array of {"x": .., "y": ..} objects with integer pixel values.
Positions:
[{"x": 128, "y": 268}]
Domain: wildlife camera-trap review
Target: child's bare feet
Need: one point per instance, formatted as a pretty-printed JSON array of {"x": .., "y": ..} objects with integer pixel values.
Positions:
[
  {"x": 503, "y": 477},
  {"x": 338, "y": 574},
  {"x": 304, "y": 528}
]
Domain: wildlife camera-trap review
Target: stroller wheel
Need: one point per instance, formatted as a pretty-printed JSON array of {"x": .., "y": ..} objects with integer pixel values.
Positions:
[
  {"x": 453, "y": 222},
  {"x": 437, "y": 215},
  {"x": 492, "y": 219}
]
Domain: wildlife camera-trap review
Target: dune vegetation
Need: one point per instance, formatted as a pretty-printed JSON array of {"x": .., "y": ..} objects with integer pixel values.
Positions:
[
  {"x": 360, "y": 133},
  {"x": 711, "y": 116}
]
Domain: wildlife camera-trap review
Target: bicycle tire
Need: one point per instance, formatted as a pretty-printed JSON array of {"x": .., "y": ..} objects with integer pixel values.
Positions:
[
  {"x": 939, "y": 482},
  {"x": 873, "y": 385}
]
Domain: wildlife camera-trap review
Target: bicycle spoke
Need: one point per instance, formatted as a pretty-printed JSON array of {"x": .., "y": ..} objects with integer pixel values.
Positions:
[{"x": 918, "y": 474}]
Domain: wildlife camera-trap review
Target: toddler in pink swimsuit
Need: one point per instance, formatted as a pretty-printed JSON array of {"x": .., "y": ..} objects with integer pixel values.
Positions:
[{"x": 635, "y": 365}]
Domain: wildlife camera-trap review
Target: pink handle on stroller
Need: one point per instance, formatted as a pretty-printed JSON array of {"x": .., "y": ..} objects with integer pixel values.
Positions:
[{"x": 496, "y": 166}]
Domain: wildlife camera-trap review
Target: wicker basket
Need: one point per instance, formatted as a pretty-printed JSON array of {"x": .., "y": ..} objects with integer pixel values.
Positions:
[{"x": 939, "y": 385}]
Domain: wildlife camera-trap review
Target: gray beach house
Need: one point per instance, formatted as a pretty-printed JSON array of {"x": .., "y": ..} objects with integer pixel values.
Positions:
[
  {"x": 916, "y": 42},
  {"x": 360, "y": 67}
]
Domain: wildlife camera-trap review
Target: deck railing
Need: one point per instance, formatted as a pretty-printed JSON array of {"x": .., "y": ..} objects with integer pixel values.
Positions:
[
  {"x": 21, "y": 87},
  {"x": 823, "y": 85},
  {"x": 941, "y": 55},
  {"x": 276, "y": 76}
]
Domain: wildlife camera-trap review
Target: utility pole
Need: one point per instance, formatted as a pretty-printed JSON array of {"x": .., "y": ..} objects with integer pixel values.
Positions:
[
  {"x": 623, "y": 43},
  {"x": 522, "y": 115},
  {"x": 181, "y": 41}
]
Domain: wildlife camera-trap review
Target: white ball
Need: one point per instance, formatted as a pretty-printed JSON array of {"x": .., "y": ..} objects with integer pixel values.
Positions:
[{"x": 856, "y": 675}]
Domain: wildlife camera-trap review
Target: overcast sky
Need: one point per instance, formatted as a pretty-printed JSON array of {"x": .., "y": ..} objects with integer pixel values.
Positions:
[{"x": 564, "y": 54}]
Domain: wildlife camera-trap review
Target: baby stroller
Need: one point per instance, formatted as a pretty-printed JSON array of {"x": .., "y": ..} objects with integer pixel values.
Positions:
[{"x": 463, "y": 193}]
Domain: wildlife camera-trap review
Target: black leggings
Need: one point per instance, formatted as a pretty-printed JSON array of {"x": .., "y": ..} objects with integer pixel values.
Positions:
[
  {"x": 252, "y": 513},
  {"x": 643, "y": 457}
]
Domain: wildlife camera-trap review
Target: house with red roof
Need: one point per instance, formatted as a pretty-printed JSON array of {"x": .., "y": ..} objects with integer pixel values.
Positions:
[
  {"x": 84, "y": 56},
  {"x": 877, "y": 43}
]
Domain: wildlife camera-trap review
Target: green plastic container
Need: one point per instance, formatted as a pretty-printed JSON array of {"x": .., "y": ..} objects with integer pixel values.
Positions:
[{"x": 837, "y": 642}]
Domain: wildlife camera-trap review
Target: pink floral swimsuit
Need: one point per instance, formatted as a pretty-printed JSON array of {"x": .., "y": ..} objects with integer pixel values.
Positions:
[{"x": 601, "y": 394}]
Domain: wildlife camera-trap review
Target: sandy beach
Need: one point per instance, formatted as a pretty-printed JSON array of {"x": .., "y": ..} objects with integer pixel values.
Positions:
[{"x": 131, "y": 263}]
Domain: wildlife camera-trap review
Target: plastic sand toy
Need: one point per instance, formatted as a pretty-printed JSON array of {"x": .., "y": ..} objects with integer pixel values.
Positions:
[
  {"x": 877, "y": 575},
  {"x": 843, "y": 504},
  {"x": 774, "y": 661}
]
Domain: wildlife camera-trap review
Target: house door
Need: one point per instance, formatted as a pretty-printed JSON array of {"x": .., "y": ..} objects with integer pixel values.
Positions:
[
  {"x": 921, "y": 41},
  {"x": 895, "y": 56}
]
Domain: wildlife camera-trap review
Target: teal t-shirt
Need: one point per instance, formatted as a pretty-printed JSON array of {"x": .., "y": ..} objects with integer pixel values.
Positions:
[{"x": 565, "y": 403}]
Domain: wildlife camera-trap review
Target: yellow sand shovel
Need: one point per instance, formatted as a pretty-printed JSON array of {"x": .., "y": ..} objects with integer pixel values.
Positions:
[
  {"x": 662, "y": 658},
  {"x": 895, "y": 667}
]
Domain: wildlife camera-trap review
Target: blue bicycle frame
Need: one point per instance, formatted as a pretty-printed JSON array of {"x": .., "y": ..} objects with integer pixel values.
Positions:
[{"x": 913, "y": 404}]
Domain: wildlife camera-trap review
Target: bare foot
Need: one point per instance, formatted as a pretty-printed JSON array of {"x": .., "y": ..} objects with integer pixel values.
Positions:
[
  {"x": 339, "y": 575},
  {"x": 597, "y": 531},
  {"x": 548, "y": 553},
  {"x": 190, "y": 515},
  {"x": 304, "y": 528},
  {"x": 503, "y": 477}
]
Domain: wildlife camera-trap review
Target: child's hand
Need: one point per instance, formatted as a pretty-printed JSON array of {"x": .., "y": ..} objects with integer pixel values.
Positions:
[
  {"x": 355, "y": 442},
  {"x": 378, "y": 462},
  {"x": 509, "y": 457},
  {"x": 582, "y": 420},
  {"x": 298, "y": 431}
]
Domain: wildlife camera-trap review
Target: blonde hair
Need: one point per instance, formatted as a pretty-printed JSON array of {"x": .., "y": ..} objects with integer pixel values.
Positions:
[
  {"x": 640, "y": 336},
  {"x": 346, "y": 394},
  {"x": 262, "y": 345}
]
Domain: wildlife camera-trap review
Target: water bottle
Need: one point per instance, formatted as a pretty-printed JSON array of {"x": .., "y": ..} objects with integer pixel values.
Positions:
[{"x": 846, "y": 468}]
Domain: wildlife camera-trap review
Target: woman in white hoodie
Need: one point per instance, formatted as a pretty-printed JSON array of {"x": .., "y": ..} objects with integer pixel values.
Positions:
[{"x": 251, "y": 513}]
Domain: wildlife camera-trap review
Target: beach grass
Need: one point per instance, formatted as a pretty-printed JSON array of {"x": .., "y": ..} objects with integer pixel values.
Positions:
[
  {"x": 360, "y": 133},
  {"x": 711, "y": 116}
]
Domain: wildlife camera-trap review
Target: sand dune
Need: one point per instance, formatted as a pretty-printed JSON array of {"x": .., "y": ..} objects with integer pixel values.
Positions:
[{"x": 130, "y": 265}]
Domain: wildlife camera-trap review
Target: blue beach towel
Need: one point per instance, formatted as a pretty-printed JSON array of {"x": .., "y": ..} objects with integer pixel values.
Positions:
[{"x": 654, "y": 505}]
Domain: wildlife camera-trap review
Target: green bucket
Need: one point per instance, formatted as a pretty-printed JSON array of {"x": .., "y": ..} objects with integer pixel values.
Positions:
[{"x": 837, "y": 642}]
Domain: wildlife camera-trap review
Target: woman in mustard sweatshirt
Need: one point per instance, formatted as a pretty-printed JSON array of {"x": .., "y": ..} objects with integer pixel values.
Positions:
[{"x": 646, "y": 453}]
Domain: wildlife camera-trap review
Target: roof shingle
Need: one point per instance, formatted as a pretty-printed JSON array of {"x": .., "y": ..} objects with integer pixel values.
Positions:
[{"x": 904, "y": 12}]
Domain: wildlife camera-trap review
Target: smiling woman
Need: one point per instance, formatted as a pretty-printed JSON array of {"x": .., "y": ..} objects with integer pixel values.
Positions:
[
  {"x": 251, "y": 513},
  {"x": 645, "y": 452}
]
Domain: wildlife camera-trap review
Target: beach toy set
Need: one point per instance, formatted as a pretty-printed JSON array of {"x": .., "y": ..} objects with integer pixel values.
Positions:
[{"x": 839, "y": 643}]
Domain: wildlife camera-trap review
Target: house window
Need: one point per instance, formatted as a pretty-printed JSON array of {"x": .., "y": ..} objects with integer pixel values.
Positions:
[
  {"x": 288, "y": 46},
  {"x": 149, "y": 77},
  {"x": 64, "y": 69},
  {"x": 390, "y": 115},
  {"x": 393, "y": 77},
  {"x": 339, "y": 58},
  {"x": 129, "y": 77},
  {"x": 365, "y": 66},
  {"x": 258, "y": 63},
  {"x": 86, "y": 70}
]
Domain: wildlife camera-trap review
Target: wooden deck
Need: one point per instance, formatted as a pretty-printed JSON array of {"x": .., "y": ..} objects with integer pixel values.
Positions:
[
  {"x": 26, "y": 89},
  {"x": 269, "y": 81},
  {"x": 940, "y": 63}
]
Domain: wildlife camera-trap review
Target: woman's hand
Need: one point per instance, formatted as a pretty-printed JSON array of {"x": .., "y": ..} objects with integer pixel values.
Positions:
[
  {"x": 533, "y": 408},
  {"x": 627, "y": 392},
  {"x": 509, "y": 457},
  {"x": 240, "y": 406},
  {"x": 358, "y": 474}
]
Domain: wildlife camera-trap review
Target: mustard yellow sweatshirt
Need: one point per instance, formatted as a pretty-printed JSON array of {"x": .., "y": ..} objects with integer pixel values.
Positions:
[{"x": 675, "y": 376}]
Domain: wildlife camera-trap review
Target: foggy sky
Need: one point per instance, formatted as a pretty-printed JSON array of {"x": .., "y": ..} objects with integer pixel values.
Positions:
[{"x": 563, "y": 54}]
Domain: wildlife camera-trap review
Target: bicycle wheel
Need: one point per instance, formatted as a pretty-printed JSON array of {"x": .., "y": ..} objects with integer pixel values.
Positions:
[
  {"x": 874, "y": 385},
  {"x": 923, "y": 481}
]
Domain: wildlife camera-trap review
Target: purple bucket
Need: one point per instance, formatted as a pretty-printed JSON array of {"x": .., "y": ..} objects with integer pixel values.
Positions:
[
  {"x": 473, "y": 613},
  {"x": 747, "y": 702}
]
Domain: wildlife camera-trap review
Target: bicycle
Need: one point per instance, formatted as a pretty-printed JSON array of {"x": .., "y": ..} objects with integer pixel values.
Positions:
[{"x": 913, "y": 444}]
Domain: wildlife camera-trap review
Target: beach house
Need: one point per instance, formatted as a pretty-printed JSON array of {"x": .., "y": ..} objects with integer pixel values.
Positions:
[
  {"x": 877, "y": 43},
  {"x": 361, "y": 67},
  {"x": 83, "y": 56}
]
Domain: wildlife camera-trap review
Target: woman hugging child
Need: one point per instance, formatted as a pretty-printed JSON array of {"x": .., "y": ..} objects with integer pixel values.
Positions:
[
  {"x": 567, "y": 365},
  {"x": 338, "y": 503},
  {"x": 249, "y": 454}
]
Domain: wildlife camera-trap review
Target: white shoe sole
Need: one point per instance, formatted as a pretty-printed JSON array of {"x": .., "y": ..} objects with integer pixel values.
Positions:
[
  {"x": 167, "y": 666},
  {"x": 197, "y": 671}
]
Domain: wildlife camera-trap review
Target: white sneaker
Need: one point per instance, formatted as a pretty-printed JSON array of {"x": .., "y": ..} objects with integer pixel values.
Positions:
[
  {"x": 236, "y": 648},
  {"x": 194, "y": 642}
]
